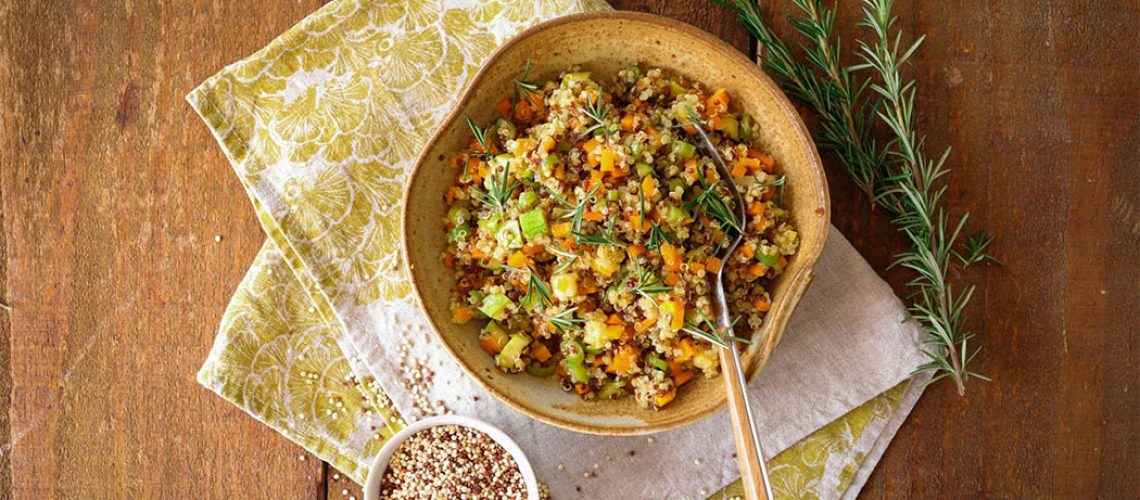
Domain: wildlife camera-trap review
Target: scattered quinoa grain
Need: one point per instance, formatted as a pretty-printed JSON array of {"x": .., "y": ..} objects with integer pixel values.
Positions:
[{"x": 451, "y": 461}]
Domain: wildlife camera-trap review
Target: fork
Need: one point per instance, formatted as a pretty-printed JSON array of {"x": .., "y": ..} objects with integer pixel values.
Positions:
[{"x": 753, "y": 470}]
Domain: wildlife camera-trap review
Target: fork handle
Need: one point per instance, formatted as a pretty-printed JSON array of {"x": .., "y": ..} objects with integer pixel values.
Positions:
[{"x": 753, "y": 470}]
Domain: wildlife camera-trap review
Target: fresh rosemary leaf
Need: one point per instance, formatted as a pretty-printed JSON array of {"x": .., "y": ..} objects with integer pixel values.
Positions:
[{"x": 565, "y": 320}]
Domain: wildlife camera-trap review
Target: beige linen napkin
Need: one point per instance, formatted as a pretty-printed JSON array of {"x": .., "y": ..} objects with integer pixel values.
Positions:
[{"x": 321, "y": 127}]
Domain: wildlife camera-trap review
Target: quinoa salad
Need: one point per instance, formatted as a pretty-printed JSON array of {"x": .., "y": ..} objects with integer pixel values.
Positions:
[{"x": 584, "y": 225}]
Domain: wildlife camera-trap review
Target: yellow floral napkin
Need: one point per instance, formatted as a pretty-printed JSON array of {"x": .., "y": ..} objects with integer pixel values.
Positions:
[{"x": 321, "y": 126}]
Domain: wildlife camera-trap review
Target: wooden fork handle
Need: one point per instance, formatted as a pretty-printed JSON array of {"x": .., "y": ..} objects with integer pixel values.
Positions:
[{"x": 753, "y": 470}]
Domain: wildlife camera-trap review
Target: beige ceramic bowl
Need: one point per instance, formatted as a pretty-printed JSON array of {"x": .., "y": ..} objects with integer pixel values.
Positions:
[{"x": 603, "y": 43}]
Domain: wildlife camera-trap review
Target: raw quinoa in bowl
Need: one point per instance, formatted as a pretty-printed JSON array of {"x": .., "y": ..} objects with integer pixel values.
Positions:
[{"x": 584, "y": 223}]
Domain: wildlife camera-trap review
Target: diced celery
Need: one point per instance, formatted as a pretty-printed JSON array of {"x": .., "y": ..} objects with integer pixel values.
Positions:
[
  {"x": 495, "y": 306},
  {"x": 527, "y": 199},
  {"x": 657, "y": 362},
  {"x": 730, "y": 126},
  {"x": 458, "y": 215},
  {"x": 491, "y": 224},
  {"x": 459, "y": 233},
  {"x": 767, "y": 256},
  {"x": 677, "y": 88},
  {"x": 565, "y": 285},
  {"x": 684, "y": 149},
  {"x": 510, "y": 235},
  {"x": 506, "y": 127},
  {"x": 611, "y": 390},
  {"x": 674, "y": 215},
  {"x": 475, "y": 296},
  {"x": 612, "y": 195},
  {"x": 511, "y": 354},
  {"x": 575, "y": 76},
  {"x": 634, "y": 72},
  {"x": 643, "y": 169},
  {"x": 534, "y": 223},
  {"x": 536, "y": 370},
  {"x": 746, "y": 127},
  {"x": 676, "y": 183},
  {"x": 575, "y": 357}
]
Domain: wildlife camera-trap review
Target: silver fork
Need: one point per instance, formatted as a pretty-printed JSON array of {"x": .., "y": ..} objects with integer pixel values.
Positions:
[{"x": 753, "y": 469}]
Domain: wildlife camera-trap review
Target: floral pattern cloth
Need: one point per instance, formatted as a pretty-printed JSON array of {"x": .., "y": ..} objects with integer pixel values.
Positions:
[{"x": 321, "y": 126}]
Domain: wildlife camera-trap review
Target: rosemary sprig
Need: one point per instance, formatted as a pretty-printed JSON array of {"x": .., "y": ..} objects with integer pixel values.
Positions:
[
  {"x": 535, "y": 287},
  {"x": 498, "y": 191},
  {"x": 604, "y": 238},
  {"x": 569, "y": 256},
  {"x": 977, "y": 245},
  {"x": 713, "y": 204},
  {"x": 480, "y": 137},
  {"x": 705, "y": 329},
  {"x": 577, "y": 210},
  {"x": 657, "y": 237},
  {"x": 597, "y": 110},
  {"x": 776, "y": 183},
  {"x": 648, "y": 284},
  {"x": 896, "y": 175},
  {"x": 524, "y": 86},
  {"x": 565, "y": 320}
]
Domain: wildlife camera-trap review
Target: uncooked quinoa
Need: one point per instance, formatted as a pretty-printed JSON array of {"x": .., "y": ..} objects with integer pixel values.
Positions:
[
  {"x": 451, "y": 461},
  {"x": 584, "y": 225}
]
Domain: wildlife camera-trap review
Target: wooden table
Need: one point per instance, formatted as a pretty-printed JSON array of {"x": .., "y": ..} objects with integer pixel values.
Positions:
[{"x": 113, "y": 192}]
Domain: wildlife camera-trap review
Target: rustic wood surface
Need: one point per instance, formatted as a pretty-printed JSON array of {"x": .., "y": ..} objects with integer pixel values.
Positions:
[{"x": 112, "y": 192}]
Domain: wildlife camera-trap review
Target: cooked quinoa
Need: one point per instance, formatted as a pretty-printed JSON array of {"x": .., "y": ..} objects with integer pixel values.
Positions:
[{"x": 584, "y": 228}]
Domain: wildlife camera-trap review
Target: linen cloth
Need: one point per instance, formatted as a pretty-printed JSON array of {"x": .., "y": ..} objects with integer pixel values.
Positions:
[{"x": 322, "y": 126}]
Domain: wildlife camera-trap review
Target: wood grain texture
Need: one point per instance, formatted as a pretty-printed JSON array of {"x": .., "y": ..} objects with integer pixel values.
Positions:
[{"x": 112, "y": 192}]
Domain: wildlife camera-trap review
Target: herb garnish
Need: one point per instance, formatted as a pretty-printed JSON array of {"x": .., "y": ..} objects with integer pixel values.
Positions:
[
  {"x": 705, "y": 329},
  {"x": 499, "y": 191},
  {"x": 597, "y": 112},
  {"x": 565, "y": 320},
  {"x": 535, "y": 287}
]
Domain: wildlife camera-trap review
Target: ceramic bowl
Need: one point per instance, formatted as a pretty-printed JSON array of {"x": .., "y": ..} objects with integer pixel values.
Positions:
[
  {"x": 380, "y": 463},
  {"x": 604, "y": 43}
]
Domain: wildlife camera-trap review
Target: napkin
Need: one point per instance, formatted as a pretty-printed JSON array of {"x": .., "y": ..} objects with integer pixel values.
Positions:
[{"x": 322, "y": 339}]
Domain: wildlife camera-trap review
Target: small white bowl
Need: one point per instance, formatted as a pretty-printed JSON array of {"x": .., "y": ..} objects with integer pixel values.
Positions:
[{"x": 380, "y": 465}]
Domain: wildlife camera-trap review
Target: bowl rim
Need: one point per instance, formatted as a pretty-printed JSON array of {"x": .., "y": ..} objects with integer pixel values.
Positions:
[
  {"x": 380, "y": 462},
  {"x": 754, "y": 71}
]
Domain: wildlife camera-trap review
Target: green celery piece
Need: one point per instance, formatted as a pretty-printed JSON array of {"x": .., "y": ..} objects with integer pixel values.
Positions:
[
  {"x": 495, "y": 306},
  {"x": 534, "y": 223},
  {"x": 611, "y": 389},
  {"x": 512, "y": 351},
  {"x": 536, "y": 370},
  {"x": 767, "y": 259},
  {"x": 684, "y": 149}
]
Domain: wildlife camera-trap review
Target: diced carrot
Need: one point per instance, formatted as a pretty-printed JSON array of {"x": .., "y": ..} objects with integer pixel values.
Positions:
[
  {"x": 625, "y": 359},
  {"x": 503, "y": 107},
  {"x": 674, "y": 366},
  {"x": 671, "y": 256},
  {"x": 477, "y": 254},
  {"x": 627, "y": 123},
  {"x": 672, "y": 279},
  {"x": 517, "y": 259},
  {"x": 452, "y": 193},
  {"x": 581, "y": 389},
  {"x": 713, "y": 264},
  {"x": 682, "y": 376},
  {"x": 756, "y": 208},
  {"x": 639, "y": 224},
  {"x": 649, "y": 186},
  {"x": 614, "y": 320},
  {"x": 463, "y": 314},
  {"x": 560, "y": 230},
  {"x": 636, "y": 250},
  {"x": 757, "y": 269},
  {"x": 537, "y": 102},
  {"x": 540, "y": 352},
  {"x": 588, "y": 287},
  {"x": 783, "y": 262},
  {"x": 696, "y": 267},
  {"x": 687, "y": 350},
  {"x": 598, "y": 361},
  {"x": 762, "y": 305},
  {"x": 596, "y": 177},
  {"x": 559, "y": 173},
  {"x": 449, "y": 260},
  {"x": 715, "y": 122},
  {"x": 456, "y": 160},
  {"x": 644, "y": 325},
  {"x": 523, "y": 112},
  {"x": 546, "y": 145},
  {"x": 752, "y": 165},
  {"x": 738, "y": 170},
  {"x": 689, "y": 129},
  {"x": 766, "y": 162},
  {"x": 718, "y": 102},
  {"x": 607, "y": 160},
  {"x": 748, "y": 250},
  {"x": 533, "y": 249},
  {"x": 593, "y": 216},
  {"x": 664, "y": 399}
]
